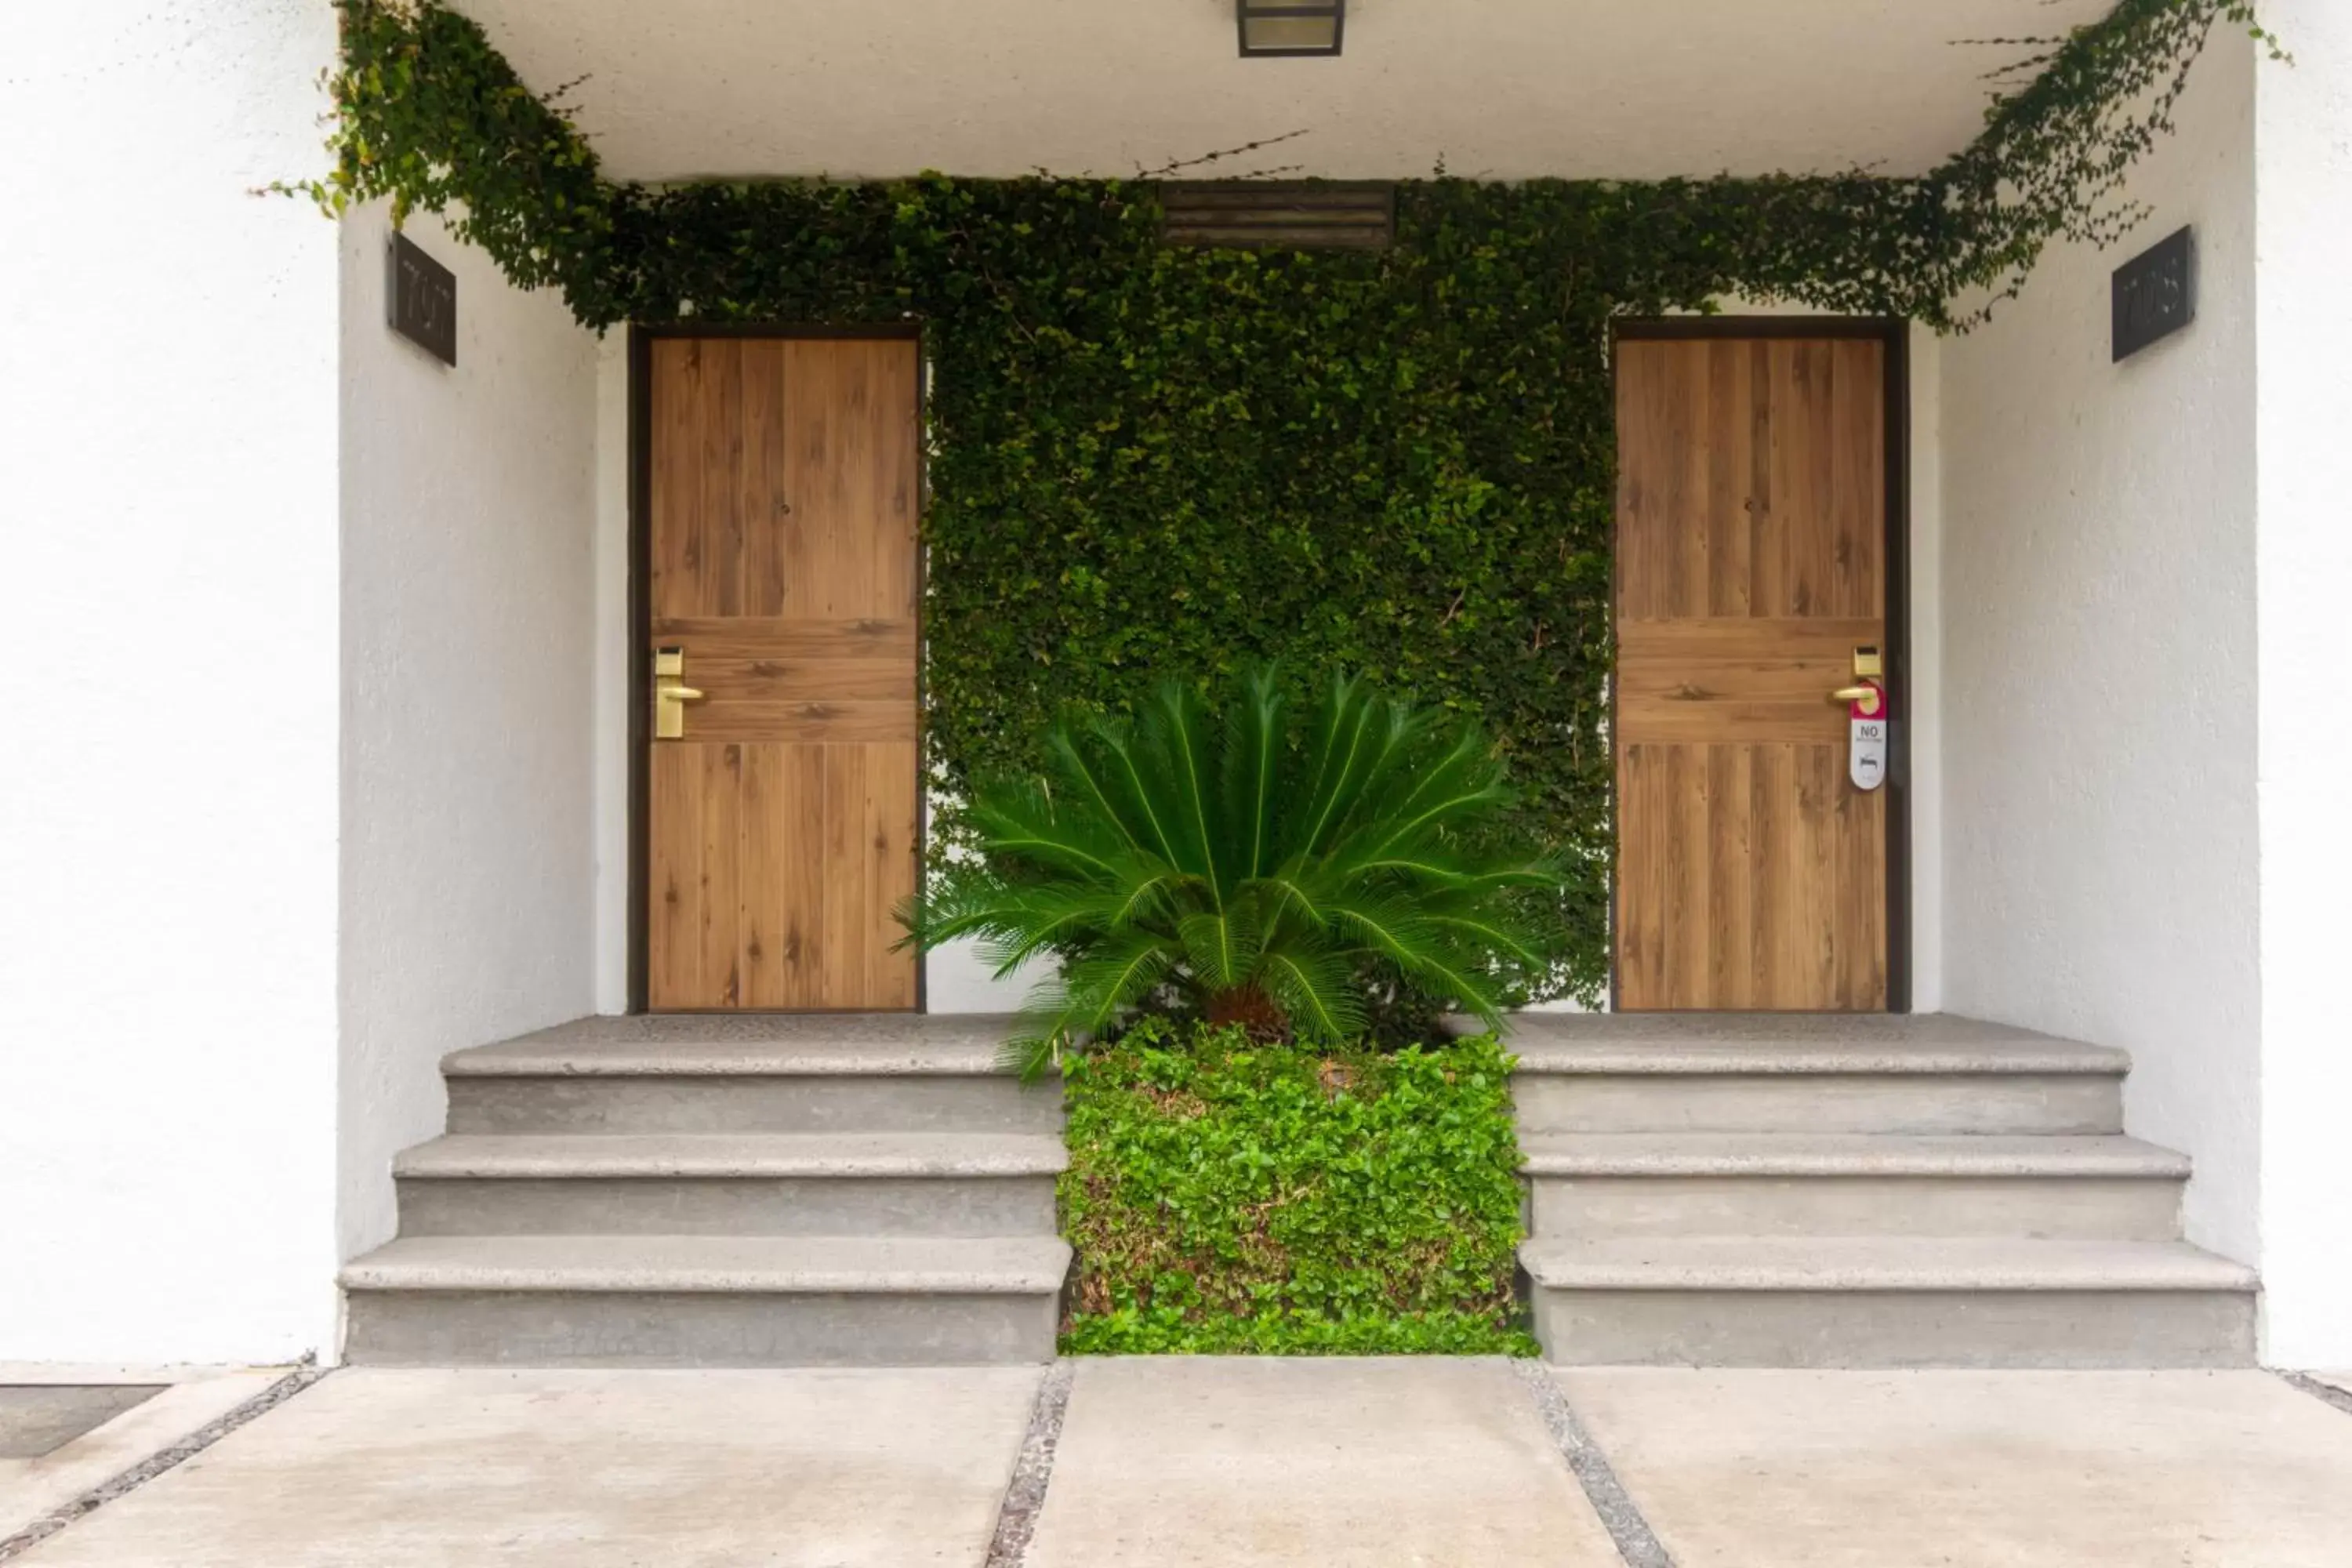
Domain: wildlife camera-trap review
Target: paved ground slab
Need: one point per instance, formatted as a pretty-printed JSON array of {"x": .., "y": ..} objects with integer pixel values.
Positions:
[
  {"x": 586, "y": 1470},
  {"x": 1339, "y": 1463},
  {"x": 38, "y": 1475},
  {"x": 36, "y": 1419},
  {"x": 1761, "y": 1470}
]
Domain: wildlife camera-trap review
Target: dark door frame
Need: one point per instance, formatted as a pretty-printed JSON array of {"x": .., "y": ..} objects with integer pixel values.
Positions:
[
  {"x": 641, "y": 535},
  {"x": 1896, "y": 335}
]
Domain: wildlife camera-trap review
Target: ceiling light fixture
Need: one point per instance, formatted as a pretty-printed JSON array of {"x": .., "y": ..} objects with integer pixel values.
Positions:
[{"x": 1275, "y": 30}]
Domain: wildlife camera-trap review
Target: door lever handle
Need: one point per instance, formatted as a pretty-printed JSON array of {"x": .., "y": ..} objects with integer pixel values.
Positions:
[
  {"x": 671, "y": 694},
  {"x": 670, "y": 697},
  {"x": 1854, "y": 694}
]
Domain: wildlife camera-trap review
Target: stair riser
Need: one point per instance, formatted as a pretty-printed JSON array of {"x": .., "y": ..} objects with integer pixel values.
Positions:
[
  {"x": 2026, "y": 1329},
  {"x": 883, "y": 1205},
  {"x": 406, "y": 1328},
  {"x": 1971, "y": 1103},
  {"x": 2059, "y": 1207},
  {"x": 776, "y": 1104}
]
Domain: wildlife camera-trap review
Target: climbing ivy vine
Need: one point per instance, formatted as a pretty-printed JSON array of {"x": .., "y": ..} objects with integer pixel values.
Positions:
[{"x": 1151, "y": 459}]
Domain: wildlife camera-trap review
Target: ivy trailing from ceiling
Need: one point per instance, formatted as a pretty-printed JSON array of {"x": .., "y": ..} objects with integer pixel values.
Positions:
[
  {"x": 2053, "y": 158},
  {"x": 1148, "y": 459}
]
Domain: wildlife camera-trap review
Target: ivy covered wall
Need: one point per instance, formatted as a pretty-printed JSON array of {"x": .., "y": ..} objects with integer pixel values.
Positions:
[{"x": 1149, "y": 459}]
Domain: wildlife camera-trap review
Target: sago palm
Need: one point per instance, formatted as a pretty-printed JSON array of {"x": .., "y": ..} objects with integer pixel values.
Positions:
[{"x": 1262, "y": 872}]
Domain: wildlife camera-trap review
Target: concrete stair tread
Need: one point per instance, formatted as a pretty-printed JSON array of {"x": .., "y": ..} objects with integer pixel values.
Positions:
[
  {"x": 826, "y": 1045},
  {"x": 1876, "y": 1263},
  {"x": 1679, "y": 1153},
  {"x": 1686, "y": 1044},
  {"x": 718, "y": 1155},
  {"x": 716, "y": 1264}
]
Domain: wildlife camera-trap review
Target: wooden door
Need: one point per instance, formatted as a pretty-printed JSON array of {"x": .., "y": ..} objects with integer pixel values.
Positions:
[
  {"x": 1751, "y": 564},
  {"x": 781, "y": 488}
]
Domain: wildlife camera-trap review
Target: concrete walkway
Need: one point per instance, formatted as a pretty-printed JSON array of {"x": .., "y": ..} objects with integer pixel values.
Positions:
[
  {"x": 1123, "y": 1464},
  {"x": 40, "y": 1476}
]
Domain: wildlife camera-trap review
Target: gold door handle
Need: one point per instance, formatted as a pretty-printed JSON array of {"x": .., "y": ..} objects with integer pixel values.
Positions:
[
  {"x": 671, "y": 694},
  {"x": 670, "y": 698},
  {"x": 1854, "y": 694}
]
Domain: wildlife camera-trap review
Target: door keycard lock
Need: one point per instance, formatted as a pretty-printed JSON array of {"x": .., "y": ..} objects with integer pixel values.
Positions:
[{"x": 671, "y": 694}]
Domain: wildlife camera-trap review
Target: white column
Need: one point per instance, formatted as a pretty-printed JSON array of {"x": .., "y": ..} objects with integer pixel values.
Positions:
[
  {"x": 612, "y": 683},
  {"x": 1926, "y": 691},
  {"x": 170, "y": 688},
  {"x": 2101, "y": 831},
  {"x": 2304, "y": 159},
  {"x": 469, "y": 761}
]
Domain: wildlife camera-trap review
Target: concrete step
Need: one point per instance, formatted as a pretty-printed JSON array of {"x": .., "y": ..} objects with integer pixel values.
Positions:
[
  {"x": 749, "y": 1073},
  {"x": 1924, "y": 1074},
  {"x": 701, "y": 1300},
  {"x": 731, "y": 1183},
  {"x": 1889, "y": 1302},
  {"x": 1602, "y": 1185}
]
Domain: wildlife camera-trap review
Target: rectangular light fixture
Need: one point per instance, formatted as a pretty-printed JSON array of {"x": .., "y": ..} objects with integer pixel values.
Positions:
[{"x": 1272, "y": 29}]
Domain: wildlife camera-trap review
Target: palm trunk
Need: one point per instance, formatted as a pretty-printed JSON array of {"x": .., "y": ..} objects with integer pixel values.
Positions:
[{"x": 1251, "y": 1008}]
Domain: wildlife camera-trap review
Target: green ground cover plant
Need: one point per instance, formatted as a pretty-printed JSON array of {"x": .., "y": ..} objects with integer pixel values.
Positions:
[{"x": 1228, "y": 1196}]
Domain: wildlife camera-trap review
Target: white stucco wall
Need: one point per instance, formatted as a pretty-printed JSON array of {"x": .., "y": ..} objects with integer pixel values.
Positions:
[
  {"x": 1926, "y": 721},
  {"x": 2099, "y": 667},
  {"x": 469, "y": 637},
  {"x": 612, "y": 694},
  {"x": 167, "y": 789},
  {"x": 2304, "y": 575},
  {"x": 957, "y": 979}
]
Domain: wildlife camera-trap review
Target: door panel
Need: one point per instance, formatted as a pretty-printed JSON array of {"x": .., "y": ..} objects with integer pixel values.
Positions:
[
  {"x": 1752, "y": 530},
  {"x": 783, "y": 479}
]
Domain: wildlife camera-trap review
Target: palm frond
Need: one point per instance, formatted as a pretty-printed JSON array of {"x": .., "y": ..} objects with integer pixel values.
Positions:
[
  {"x": 1089, "y": 766},
  {"x": 1221, "y": 946},
  {"x": 1335, "y": 766},
  {"x": 1126, "y": 777},
  {"x": 1105, "y": 984},
  {"x": 1447, "y": 977},
  {"x": 1143, "y": 894},
  {"x": 1316, "y": 859},
  {"x": 1085, "y": 998},
  {"x": 1175, "y": 725},
  {"x": 1249, "y": 801},
  {"x": 1464, "y": 781},
  {"x": 1318, "y": 991},
  {"x": 1030, "y": 922},
  {"x": 1285, "y": 892},
  {"x": 1391, "y": 927},
  {"x": 1495, "y": 934}
]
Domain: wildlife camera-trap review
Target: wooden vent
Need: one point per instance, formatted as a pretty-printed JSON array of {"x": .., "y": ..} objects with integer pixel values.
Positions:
[{"x": 1259, "y": 215}]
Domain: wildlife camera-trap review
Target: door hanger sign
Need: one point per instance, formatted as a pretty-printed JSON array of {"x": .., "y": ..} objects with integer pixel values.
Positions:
[{"x": 1867, "y": 722}]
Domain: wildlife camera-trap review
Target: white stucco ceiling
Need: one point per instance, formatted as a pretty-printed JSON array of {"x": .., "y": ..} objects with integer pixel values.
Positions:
[{"x": 1501, "y": 89}]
